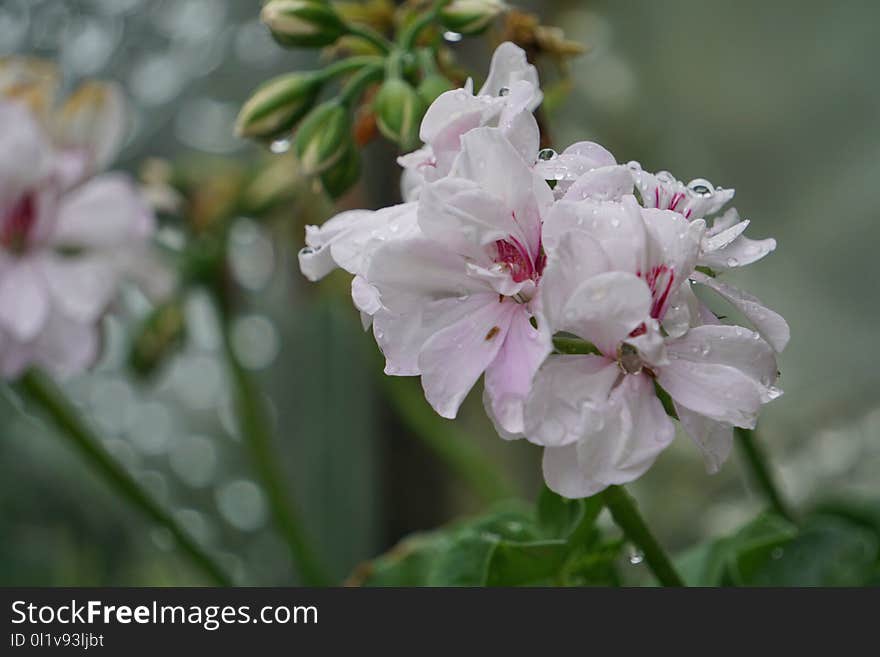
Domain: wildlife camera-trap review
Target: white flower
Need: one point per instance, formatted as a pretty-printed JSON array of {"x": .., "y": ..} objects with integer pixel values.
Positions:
[
  {"x": 507, "y": 99},
  {"x": 65, "y": 242},
  {"x": 459, "y": 299},
  {"x": 612, "y": 272},
  {"x": 724, "y": 246}
]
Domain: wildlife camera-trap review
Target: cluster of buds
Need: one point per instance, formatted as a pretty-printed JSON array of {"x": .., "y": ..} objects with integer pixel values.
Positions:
[{"x": 394, "y": 79}]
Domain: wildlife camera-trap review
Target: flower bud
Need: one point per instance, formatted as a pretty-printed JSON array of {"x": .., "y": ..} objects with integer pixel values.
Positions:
[
  {"x": 399, "y": 110},
  {"x": 432, "y": 86},
  {"x": 470, "y": 16},
  {"x": 158, "y": 338},
  {"x": 323, "y": 137},
  {"x": 303, "y": 23},
  {"x": 342, "y": 176},
  {"x": 277, "y": 105}
]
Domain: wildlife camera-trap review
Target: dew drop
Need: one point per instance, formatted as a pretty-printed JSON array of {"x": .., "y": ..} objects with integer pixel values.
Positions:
[
  {"x": 633, "y": 165},
  {"x": 636, "y": 556},
  {"x": 504, "y": 91},
  {"x": 546, "y": 154},
  {"x": 701, "y": 187},
  {"x": 732, "y": 262},
  {"x": 665, "y": 177},
  {"x": 452, "y": 37},
  {"x": 280, "y": 146}
]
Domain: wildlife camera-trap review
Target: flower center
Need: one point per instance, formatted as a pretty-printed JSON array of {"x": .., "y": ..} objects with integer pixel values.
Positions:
[
  {"x": 513, "y": 256},
  {"x": 17, "y": 224}
]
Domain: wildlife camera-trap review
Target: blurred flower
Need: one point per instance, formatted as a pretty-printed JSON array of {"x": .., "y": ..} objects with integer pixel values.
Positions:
[{"x": 66, "y": 239}]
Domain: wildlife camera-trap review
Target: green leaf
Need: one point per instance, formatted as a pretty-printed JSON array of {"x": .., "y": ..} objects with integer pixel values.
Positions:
[
  {"x": 558, "y": 516},
  {"x": 466, "y": 561},
  {"x": 733, "y": 559},
  {"x": 829, "y": 551},
  {"x": 517, "y": 564}
]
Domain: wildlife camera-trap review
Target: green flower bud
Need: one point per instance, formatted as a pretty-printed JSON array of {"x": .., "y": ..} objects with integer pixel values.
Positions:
[
  {"x": 323, "y": 137},
  {"x": 399, "y": 110},
  {"x": 470, "y": 16},
  {"x": 277, "y": 105},
  {"x": 432, "y": 86},
  {"x": 342, "y": 176},
  {"x": 158, "y": 338},
  {"x": 303, "y": 23}
]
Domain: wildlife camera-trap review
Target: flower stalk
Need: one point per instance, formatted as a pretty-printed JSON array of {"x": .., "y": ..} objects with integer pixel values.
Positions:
[
  {"x": 760, "y": 472},
  {"x": 256, "y": 430},
  {"x": 42, "y": 392},
  {"x": 625, "y": 513}
]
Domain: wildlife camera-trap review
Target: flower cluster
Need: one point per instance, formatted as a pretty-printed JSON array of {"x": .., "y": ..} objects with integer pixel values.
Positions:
[
  {"x": 67, "y": 236},
  {"x": 566, "y": 281}
]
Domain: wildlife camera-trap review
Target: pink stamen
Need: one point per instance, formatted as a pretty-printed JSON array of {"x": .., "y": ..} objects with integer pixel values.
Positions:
[{"x": 514, "y": 255}]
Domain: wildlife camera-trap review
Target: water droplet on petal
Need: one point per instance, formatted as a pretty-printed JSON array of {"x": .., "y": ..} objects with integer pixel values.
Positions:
[
  {"x": 732, "y": 262},
  {"x": 452, "y": 37},
  {"x": 546, "y": 154},
  {"x": 632, "y": 165},
  {"x": 701, "y": 187},
  {"x": 504, "y": 91}
]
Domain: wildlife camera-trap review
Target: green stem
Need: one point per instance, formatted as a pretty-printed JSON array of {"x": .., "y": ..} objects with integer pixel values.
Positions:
[
  {"x": 371, "y": 36},
  {"x": 760, "y": 471},
  {"x": 356, "y": 84},
  {"x": 626, "y": 515},
  {"x": 347, "y": 66},
  {"x": 257, "y": 433},
  {"x": 43, "y": 392},
  {"x": 460, "y": 455},
  {"x": 409, "y": 35}
]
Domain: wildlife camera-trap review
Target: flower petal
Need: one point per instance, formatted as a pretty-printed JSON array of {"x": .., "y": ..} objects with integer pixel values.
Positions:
[
  {"x": 509, "y": 377},
  {"x": 106, "y": 212},
  {"x": 453, "y": 359},
  {"x": 606, "y": 308},
  {"x": 510, "y": 65},
  {"x": 714, "y": 439},
  {"x": 81, "y": 287},
  {"x": 771, "y": 325},
  {"x": 568, "y": 399},
  {"x": 24, "y": 301}
]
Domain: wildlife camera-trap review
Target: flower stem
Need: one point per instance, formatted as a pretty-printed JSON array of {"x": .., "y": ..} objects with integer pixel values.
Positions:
[
  {"x": 626, "y": 515},
  {"x": 760, "y": 471},
  {"x": 41, "y": 391},
  {"x": 257, "y": 433},
  {"x": 370, "y": 36},
  {"x": 411, "y": 32},
  {"x": 460, "y": 455},
  {"x": 355, "y": 86}
]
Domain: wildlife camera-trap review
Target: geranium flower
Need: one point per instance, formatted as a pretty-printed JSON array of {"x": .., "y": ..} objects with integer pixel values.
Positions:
[
  {"x": 613, "y": 271},
  {"x": 65, "y": 240},
  {"x": 507, "y": 99},
  {"x": 459, "y": 299}
]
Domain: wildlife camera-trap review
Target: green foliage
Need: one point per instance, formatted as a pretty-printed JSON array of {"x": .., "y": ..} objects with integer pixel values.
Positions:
[
  {"x": 558, "y": 544},
  {"x": 826, "y": 550}
]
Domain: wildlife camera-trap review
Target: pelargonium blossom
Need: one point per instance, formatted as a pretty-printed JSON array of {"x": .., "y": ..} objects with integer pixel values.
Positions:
[
  {"x": 506, "y": 100},
  {"x": 459, "y": 299},
  {"x": 66, "y": 239},
  {"x": 613, "y": 271}
]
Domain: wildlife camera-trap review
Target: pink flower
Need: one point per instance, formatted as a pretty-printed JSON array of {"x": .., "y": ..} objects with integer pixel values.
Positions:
[
  {"x": 65, "y": 240},
  {"x": 459, "y": 299},
  {"x": 507, "y": 99},
  {"x": 612, "y": 273}
]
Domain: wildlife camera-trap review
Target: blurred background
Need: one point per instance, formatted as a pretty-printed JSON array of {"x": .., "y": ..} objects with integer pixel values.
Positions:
[{"x": 779, "y": 100}]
